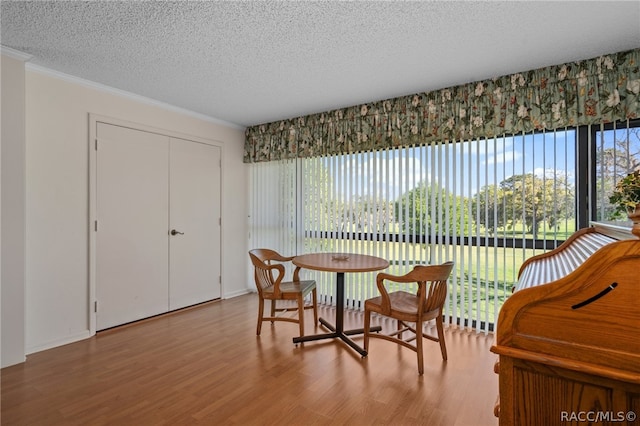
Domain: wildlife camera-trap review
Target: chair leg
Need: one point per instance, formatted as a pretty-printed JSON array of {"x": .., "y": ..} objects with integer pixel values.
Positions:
[
  {"x": 419, "y": 343},
  {"x": 301, "y": 314},
  {"x": 314, "y": 294},
  {"x": 260, "y": 315},
  {"x": 273, "y": 309},
  {"x": 367, "y": 327},
  {"x": 443, "y": 347}
]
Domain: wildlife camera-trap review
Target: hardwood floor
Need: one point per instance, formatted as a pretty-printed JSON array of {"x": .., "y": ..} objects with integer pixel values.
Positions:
[{"x": 205, "y": 365}]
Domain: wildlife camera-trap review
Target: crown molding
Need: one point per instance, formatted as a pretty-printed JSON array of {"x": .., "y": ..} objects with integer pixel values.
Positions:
[
  {"x": 132, "y": 96},
  {"x": 15, "y": 54}
]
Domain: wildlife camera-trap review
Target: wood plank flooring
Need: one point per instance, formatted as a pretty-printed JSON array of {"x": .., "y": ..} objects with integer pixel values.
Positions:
[{"x": 206, "y": 366}]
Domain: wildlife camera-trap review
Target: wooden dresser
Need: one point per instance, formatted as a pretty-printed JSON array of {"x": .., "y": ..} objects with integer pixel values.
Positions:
[{"x": 569, "y": 348}]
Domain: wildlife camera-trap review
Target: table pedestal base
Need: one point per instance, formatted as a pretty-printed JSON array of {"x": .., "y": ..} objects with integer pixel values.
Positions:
[
  {"x": 338, "y": 331},
  {"x": 342, "y": 335}
]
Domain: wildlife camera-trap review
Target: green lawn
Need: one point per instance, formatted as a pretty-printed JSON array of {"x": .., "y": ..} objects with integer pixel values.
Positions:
[{"x": 482, "y": 279}]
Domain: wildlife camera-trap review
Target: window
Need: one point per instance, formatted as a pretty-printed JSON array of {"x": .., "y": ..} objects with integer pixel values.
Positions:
[
  {"x": 485, "y": 204},
  {"x": 616, "y": 149}
]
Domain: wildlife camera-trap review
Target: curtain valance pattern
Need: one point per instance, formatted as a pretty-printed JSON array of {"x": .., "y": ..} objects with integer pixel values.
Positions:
[{"x": 598, "y": 90}]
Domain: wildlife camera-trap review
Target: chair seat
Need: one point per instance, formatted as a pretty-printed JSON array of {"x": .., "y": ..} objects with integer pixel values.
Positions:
[
  {"x": 290, "y": 289},
  {"x": 402, "y": 302}
]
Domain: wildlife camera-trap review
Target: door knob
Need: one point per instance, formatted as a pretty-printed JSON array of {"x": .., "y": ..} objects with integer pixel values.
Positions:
[{"x": 174, "y": 232}]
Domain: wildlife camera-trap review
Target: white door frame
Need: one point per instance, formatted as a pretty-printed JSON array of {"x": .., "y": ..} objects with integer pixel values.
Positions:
[{"x": 94, "y": 119}]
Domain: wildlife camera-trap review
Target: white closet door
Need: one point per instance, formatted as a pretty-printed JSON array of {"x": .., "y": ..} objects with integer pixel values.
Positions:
[
  {"x": 194, "y": 261},
  {"x": 132, "y": 203}
]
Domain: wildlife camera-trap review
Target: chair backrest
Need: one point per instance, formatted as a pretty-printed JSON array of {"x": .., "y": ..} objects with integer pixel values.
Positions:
[
  {"x": 266, "y": 262},
  {"x": 267, "y": 255},
  {"x": 432, "y": 284}
]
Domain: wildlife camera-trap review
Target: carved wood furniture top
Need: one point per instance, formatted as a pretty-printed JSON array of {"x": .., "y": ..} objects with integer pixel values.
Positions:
[
  {"x": 568, "y": 338},
  {"x": 555, "y": 264},
  {"x": 553, "y": 321}
]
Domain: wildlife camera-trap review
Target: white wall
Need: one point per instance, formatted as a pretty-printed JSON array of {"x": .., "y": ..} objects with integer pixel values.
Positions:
[
  {"x": 12, "y": 202},
  {"x": 57, "y": 191}
]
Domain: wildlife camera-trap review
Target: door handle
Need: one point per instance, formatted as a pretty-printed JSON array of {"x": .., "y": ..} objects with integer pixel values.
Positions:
[{"x": 174, "y": 232}]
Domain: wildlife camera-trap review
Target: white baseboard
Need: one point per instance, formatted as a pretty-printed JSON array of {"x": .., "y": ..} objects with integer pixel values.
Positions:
[
  {"x": 237, "y": 293},
  {"x": 59, "y": 342}
]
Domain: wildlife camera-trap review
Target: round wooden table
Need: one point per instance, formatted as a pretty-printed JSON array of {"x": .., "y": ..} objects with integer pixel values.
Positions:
[{"x": 339, "y": 263}]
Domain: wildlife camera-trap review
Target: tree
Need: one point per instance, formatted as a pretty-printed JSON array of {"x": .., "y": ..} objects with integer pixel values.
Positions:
[
  {"x": 321, "y": 210},
  {"x": 613, "y": 162},
  {"x": 488, "y": 208},
  {"x": 368, "y": 214},
  {"x": 527, "y": 199},
  {"x": 428, "y": 208},
  {"x": 325, "y": 211}
]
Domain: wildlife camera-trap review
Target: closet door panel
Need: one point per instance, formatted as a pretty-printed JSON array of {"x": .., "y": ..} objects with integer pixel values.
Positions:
[
  {"x": 132, "y": 205},
  {"x": 194, "y": 261}
]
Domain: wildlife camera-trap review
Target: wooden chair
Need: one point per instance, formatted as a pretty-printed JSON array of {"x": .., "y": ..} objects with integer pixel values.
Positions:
[
  {"x": 407, "y": 308},
  {"x": 269, "y": 272}
]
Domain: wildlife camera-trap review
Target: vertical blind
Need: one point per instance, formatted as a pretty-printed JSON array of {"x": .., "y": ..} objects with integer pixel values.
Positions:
[
  {"x": 616, "y": 151},
  {"x": 485, "y": 204}
]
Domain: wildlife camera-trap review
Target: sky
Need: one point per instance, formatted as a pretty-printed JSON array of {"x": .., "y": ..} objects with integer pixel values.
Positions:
[{"x": 462, "y": 168}]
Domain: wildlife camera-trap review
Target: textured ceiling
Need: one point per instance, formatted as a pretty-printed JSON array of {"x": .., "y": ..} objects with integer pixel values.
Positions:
[{"x": 253, "y": 62}]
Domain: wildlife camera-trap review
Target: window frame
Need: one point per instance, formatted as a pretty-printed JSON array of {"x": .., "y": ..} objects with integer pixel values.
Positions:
[{"x": 586, "y": 183}]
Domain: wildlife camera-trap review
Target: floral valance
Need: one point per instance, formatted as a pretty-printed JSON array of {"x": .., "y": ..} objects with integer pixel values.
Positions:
[{"x": 598, "y": 90}]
